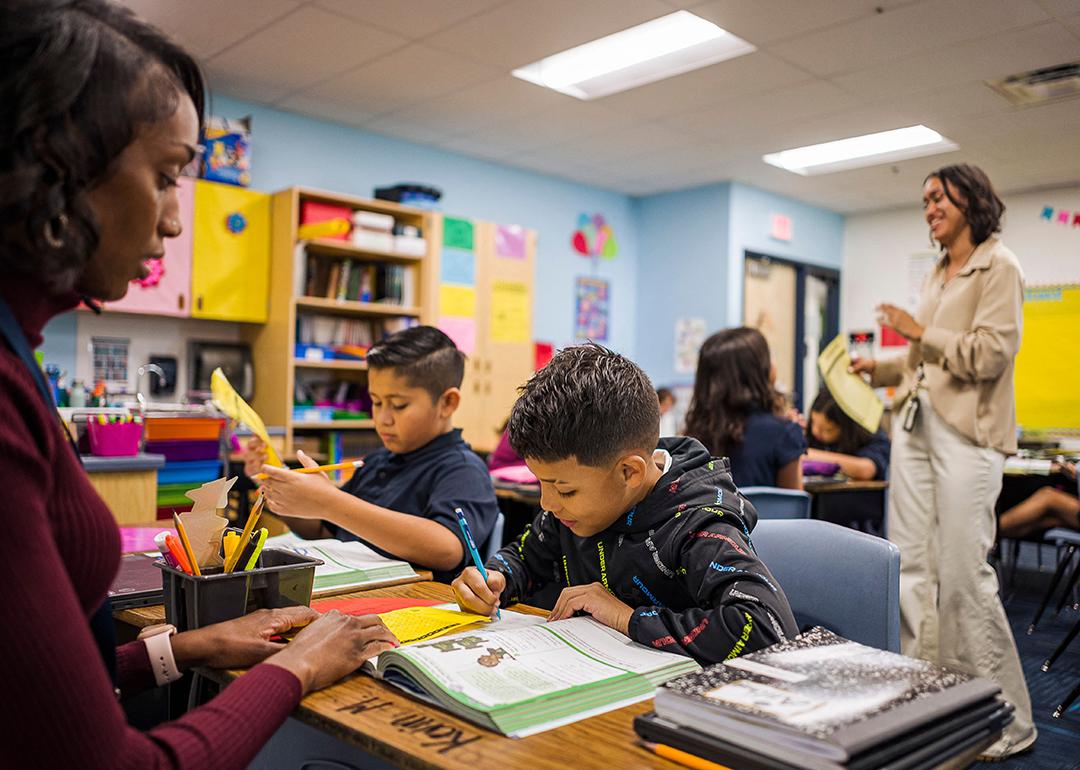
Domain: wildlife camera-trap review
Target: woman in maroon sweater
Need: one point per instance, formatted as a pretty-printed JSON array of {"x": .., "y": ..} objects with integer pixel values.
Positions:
[{"x": 100, "y": 114}]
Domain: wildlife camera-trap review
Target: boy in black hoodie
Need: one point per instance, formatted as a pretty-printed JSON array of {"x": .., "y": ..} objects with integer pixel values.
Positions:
[{"x": 655, "y": 544}]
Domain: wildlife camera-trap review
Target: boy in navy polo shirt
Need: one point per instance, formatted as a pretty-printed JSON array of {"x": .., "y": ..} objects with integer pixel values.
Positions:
[
  {"x": 402, "y": 501},
  {"x": 647, "y": 535}
]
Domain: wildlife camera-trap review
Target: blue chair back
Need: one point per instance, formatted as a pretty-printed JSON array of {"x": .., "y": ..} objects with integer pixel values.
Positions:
[
  {"x": 495, "y": 539},
  {"x": 778, "y": 503},
  {"x": 840, "y": 578}
]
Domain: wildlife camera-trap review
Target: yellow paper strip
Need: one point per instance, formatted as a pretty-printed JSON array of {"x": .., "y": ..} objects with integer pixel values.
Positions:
[
  {"x": 228, "y": 400},
  {"x": 851, "y": 392},
  {"x": 510, "y": 312},
  {"x": 418, "y": 624}
]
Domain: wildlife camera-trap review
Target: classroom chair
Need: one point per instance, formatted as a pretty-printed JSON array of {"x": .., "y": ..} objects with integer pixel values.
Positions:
[
  {"x": 495, "y": 539},
  {"x": 777, "y": 503},
  {"x": 839, "y": 578}
]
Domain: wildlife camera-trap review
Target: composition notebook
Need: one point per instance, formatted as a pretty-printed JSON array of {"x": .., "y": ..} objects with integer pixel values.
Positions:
[
  {"x": 345, "y": 566},
  {"x": 818, "y": 697},
  {"x": 521, "y": 675}
]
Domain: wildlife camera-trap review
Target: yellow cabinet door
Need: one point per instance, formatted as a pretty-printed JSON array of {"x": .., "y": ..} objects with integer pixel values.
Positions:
[{"x": 230, "y": 271}]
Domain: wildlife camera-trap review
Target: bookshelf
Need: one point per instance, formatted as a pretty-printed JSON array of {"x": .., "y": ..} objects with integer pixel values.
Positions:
[{"x": 306, "y": 310}]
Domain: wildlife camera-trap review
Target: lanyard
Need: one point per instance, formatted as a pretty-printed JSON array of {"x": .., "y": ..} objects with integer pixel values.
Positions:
[{"x": 101, "y": 622}]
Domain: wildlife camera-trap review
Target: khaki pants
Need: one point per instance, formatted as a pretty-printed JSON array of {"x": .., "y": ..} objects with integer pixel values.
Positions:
[{"x": 942, "y": 490}]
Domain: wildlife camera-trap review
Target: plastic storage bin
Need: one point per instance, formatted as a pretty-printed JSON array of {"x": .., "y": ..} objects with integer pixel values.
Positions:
[
  {"x": 114, "y": 439},
  {"x": 280, "y": 579}
]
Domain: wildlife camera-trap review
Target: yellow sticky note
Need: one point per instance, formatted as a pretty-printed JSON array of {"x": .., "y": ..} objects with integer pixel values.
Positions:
[
  {"x": 229, "y": 401},
  {"x": 417, "y": 624},
  {"x": 510, "y": 312},
  {"x": 457, "y": 300}
]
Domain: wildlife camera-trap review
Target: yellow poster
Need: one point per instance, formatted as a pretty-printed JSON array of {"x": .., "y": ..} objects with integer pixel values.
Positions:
[
  {"x": 1046, "y": 365},
  {"x": 851, "y": 391},
  {"x": 510, "y": 312},
  {"x": 457, "y": 301}
]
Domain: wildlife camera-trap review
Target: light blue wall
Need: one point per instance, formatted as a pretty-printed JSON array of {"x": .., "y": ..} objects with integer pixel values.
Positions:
[
  {"x": 59, "y": 345},
  {"x": 682, "y": 250},
  {"x": 817, "y": 236},
  {"x": 290, "y": 149}
]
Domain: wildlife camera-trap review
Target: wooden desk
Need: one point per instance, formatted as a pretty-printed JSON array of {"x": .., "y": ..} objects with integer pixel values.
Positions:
[
  {"x": 384, "y": 723},
  {"x": 128, "y": 485},
  {"x": 856, "y": 504}
]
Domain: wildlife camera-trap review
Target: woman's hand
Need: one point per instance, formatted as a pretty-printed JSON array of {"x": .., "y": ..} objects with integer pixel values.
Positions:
[
  {"x": 861, "y": 365},
  {"x": 254, "y": 456},
  {"x": 300, "y": 495},
  {"x": 238, "y": 643},
  {"x": 900, "y": 320},
  {"x": 333, "y": 646}
]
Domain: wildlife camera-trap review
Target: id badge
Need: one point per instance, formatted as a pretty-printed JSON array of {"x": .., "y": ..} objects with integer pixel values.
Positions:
[{"x": 911, "y": 413}]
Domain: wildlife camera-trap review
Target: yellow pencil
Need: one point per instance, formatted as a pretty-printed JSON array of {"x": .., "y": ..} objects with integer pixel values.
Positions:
[
  {"x": 681, "y": 757},
  {"x": 320, "y": 468},
  {"x": 186, "y": 543},
  {"x": 245, "y": 537}
]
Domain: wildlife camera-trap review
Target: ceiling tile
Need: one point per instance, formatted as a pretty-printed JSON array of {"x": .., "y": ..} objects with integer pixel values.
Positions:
[
  {"x": 206, "y": 27},
  {"x": 305, "y": 47},
  {"x": 744, "y": 116},
  {"x": 413, "y": 19},
  {"x": 713, "y": 85},
  {"x": 325, "y": 109},
  {"x": 522, "y": 31},
  {"x": 927, "y": 26},
  {"x": 408, "y": 75},
  {"x": 767, "y": 22},
  {"x": 1058, "y": 8},
  {"x": 572, "y": 119},
  {"x": 992, "y": 57}
]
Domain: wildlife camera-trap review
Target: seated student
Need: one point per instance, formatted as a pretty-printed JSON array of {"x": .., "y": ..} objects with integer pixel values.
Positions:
[
  {"x": 736, "y": 412},
  {"x": 836, "y": 438},
  {"x": 1047, "y": 508},
  {"x": 402, "y": 502},
  {"x": 668, "y": 424},
  {"x": 504, "y": 454},
  {"x": 653, "y": 542}
]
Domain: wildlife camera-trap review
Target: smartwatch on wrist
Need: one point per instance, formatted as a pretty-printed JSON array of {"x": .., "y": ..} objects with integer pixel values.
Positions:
[{"x": 158, "y": 641}]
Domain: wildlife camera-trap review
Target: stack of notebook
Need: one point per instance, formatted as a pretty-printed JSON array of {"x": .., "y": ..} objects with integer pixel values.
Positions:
[{"x": 821, "y": 702}]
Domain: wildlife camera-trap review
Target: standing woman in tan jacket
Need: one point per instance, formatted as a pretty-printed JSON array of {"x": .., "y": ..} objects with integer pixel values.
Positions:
[{"x": 955, "y": 424}]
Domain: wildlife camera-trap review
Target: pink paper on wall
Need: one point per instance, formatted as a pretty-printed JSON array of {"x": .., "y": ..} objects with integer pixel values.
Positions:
[
  {"x": 461, "y": 330},
  {"x": 510, "y": 241}
]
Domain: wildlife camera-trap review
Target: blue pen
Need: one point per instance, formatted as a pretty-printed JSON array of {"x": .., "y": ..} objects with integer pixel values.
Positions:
[{"x": 472, "y": 550}]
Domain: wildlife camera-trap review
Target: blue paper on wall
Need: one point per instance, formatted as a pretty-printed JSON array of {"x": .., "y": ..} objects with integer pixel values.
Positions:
[{"x": 458, "y": 267}]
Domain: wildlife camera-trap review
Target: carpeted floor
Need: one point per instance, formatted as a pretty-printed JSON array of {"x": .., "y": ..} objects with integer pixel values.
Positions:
[{"x": 1058, "y": 746}]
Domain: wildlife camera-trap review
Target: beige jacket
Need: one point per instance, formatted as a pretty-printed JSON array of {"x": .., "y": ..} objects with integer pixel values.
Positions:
[{"x": 970, "y": 340}]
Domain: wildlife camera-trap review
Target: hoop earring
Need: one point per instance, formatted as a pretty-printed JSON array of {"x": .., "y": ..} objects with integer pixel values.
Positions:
[{"x": 54, "y": 231}]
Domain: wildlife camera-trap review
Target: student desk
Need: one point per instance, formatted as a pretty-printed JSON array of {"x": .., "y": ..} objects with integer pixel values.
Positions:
[
  {"x": 857, "y": 504},
  {"x": 362, "y": 722}
]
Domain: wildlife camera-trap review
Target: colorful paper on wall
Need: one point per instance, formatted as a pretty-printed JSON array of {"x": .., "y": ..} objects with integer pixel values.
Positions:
[
  {"x": 509, "y": 312},
  {"x": 689, "y": 337},
  {"x": 458, "y": 267},
  {"x": 510, "y": 241},
  {"x": 461, "y": 330},
  {"x": 542, "y": 353},
  {"x": 591, "y": 322},
  {"x": 457, "y": 300},
  {"x": 458, "y": 234}
]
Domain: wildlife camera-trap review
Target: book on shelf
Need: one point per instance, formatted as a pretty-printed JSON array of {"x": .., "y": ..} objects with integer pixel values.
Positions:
[
  {"x": 346, "y": 566},
  {"x": 521, "y": 675},
  {"x": 819, "y": 700}
]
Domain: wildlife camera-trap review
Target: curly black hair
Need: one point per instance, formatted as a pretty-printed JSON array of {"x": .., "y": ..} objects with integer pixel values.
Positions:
[
  {"x": 77, "y": 78},
  {"x": 980, "y": 203},
  {"x": 589, "y": 403}
]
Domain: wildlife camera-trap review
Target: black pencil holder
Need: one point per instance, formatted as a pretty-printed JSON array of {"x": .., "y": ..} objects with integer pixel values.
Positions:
[{"x": 279, "y": 579}]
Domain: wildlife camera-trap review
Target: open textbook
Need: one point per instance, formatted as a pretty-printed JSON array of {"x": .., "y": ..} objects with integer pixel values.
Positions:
[
  {"x": 345, "y": 565},
  {"x": 521, "y": 675}
]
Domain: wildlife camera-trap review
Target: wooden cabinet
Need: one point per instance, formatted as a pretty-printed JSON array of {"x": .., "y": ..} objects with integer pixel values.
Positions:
[
  {"x": 230, "y": 272},
  {"x": 170, "y": 295},
  {"x": 502, "y": 357},
  {"x": 278, "y": 370}
]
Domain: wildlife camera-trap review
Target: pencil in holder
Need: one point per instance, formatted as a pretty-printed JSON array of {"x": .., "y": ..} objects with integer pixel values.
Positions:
[{"x": 279, "y": 579}]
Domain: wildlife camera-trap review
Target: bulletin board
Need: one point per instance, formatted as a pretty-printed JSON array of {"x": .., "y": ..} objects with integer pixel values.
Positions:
[{"x": 1048, "y": 365}]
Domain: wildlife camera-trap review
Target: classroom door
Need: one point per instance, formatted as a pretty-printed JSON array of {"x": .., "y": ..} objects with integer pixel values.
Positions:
[
  {"x": 769, "y": 307},
  {"x": 797, "y": 308}
]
